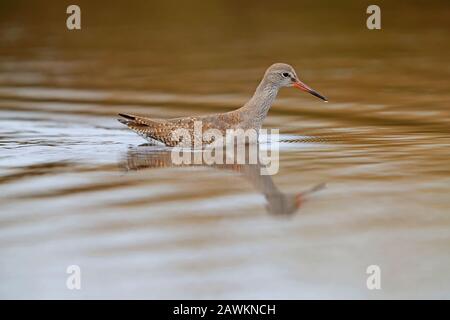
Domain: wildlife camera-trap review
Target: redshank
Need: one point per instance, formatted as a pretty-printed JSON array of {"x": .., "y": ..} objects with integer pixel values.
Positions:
[{"x": 250, "y": 116}]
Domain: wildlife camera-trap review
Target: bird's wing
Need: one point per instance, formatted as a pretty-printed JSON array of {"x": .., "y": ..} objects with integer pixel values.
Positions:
[
  {"x": 163, "y": 130},
  {"x": 157, "y": 129}
]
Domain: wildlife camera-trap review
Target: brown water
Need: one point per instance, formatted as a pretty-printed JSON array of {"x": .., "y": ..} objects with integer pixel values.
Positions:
[{"x": 76, "y": 188}]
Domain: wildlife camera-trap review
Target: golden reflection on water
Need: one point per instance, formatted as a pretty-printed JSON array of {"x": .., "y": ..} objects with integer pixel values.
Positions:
[{"x": 381, "y": 144}]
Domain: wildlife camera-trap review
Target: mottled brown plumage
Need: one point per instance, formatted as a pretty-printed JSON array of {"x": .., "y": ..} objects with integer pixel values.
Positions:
[{"x": 250, "y": 116}]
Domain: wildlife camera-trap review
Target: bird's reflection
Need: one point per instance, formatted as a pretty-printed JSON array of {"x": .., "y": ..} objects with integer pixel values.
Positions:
[{"x": 277, "y": 202}]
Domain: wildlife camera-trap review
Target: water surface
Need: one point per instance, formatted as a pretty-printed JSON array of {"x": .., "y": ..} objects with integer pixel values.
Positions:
[{"x": 76, "y": 187}]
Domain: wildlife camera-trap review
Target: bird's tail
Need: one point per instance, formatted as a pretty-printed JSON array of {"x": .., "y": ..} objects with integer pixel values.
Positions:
[
  {"x": 127, "y": 116},
  {"x": 128, "y": 119}
]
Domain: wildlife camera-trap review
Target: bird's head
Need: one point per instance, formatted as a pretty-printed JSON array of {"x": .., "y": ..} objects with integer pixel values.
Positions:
[{"x": 283, "y": 75}]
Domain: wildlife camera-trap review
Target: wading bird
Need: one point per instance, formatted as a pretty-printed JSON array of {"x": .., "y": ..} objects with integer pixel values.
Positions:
[{"x": 248, "y": 117}]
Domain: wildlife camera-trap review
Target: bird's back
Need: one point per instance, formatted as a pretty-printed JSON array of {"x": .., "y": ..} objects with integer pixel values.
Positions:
[{"x": 165, "y": 131}]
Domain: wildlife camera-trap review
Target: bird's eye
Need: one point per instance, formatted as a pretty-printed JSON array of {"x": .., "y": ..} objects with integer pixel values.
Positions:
[{"x": 285, "y": 74}]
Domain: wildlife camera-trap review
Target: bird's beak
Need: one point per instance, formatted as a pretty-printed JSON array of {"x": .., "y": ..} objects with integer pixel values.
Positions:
[{"x": 304, "y": 87}]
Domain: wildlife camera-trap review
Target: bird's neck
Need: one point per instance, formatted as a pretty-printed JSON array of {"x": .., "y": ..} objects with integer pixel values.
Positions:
[{"x": 257, "y": 107}]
